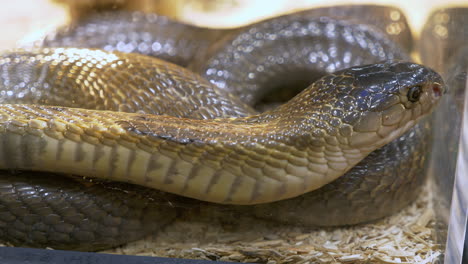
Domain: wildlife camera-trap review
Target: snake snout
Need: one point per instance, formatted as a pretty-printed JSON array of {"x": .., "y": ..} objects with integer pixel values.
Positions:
[
  {"x": 418, "y": 87},
  {"x": 434, "y": 88},
  {"x": 437, "y": 90},
  {"x": 399, "y": 94},
  {"x": 437, "y": 87}
]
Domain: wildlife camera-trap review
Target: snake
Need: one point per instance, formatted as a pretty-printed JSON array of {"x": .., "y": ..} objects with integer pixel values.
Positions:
[{"x": 194, "y": 135}]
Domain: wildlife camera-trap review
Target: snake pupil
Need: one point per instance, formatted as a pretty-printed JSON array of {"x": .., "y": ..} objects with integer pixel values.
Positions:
[{"x": 414, "y": 93}]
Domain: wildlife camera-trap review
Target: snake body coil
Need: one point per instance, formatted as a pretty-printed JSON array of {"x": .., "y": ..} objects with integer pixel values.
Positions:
[{"x": 237, "y": 158}]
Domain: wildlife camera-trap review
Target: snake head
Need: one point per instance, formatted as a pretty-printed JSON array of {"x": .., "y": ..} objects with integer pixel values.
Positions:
[{"x": 385, "y": 100}]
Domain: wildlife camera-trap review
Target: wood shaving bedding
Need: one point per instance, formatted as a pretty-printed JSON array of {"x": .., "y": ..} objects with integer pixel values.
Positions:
[{"x": 406, "y": 237}]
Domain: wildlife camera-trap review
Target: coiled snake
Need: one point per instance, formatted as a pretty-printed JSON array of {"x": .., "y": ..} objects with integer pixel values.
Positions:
[{"x": 159, "y": 125}]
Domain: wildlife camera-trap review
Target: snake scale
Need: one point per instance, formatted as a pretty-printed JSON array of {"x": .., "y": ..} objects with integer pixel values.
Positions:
[{"x": 140, "y": 120}]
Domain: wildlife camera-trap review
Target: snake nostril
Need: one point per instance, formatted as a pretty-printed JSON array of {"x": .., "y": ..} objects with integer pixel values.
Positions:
[{"x": 437, "y": 90}]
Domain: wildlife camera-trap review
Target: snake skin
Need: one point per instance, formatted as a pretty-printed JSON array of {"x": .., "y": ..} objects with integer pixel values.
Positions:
[
  {"x": 374, "y": 209},
  {"x": 290, "y": 52},
  {"x": 81, "y": 214},
  {"x": 96, "y": 79},
  {"x": 147, "y": 34},
  {"x": 180, "y": 43}
]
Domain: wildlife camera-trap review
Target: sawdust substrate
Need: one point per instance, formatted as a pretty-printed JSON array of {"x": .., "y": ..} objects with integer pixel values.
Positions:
[{"x": 406, "y": 237}]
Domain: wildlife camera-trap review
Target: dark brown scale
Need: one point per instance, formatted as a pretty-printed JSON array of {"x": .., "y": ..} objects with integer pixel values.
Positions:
[
  {"x": 183, "y": 42},
  {"x": 179, "y": 43},
  {"x": 388, "y": 19},
  {"x": 81, "y": 214},
  {"x": 289, "y": 53},
  {"x": 136, "y": 32}
]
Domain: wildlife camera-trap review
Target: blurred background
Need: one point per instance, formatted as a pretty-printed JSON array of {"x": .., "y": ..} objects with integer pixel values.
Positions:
[{"x": 23, "y": 20}]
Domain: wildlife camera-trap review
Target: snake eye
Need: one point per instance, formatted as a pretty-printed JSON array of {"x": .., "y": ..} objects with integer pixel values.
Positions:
[{"x": 414, "y": 93}]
